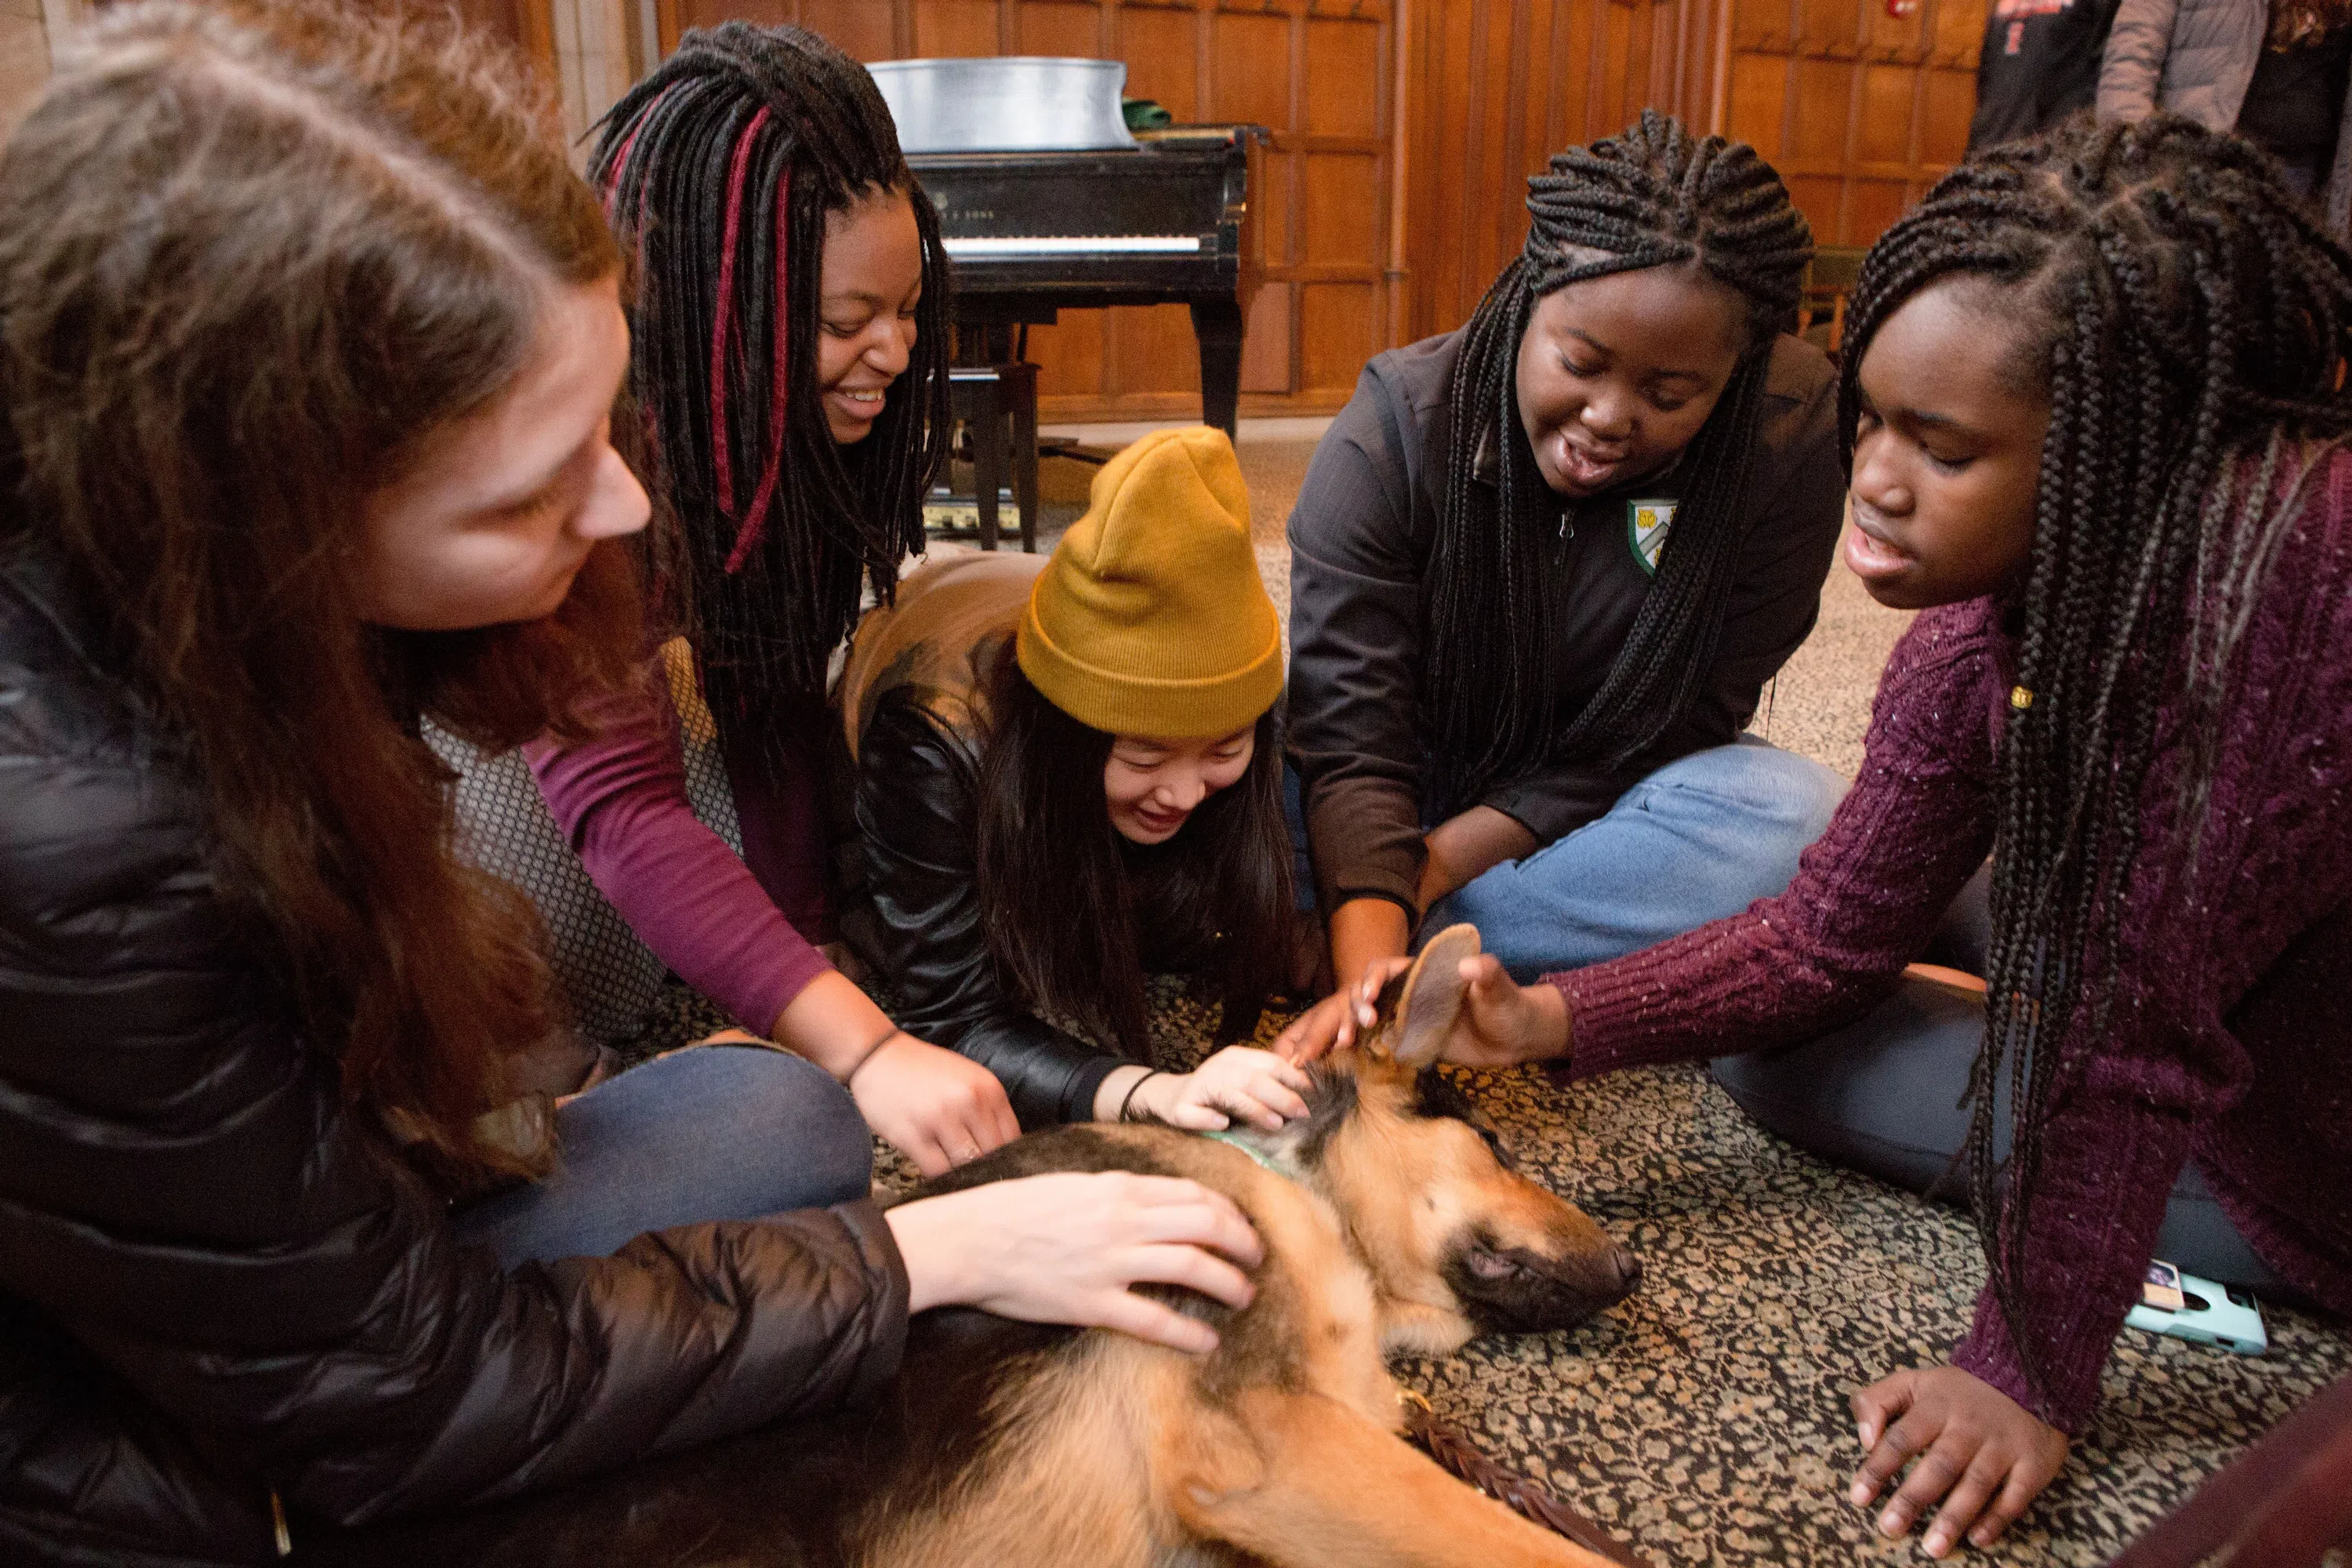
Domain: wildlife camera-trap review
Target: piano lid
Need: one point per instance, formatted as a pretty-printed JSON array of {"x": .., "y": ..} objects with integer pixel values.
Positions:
[{"x": 1004, "y": 103}]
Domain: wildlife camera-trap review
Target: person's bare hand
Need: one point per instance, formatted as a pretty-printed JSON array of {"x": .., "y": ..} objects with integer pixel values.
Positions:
[
  {"x": 1977, "y": 1452},
  {"x": 1239, "y": 1083},
  {"x": 1503, "y": 1022},
  {"x": 1332, "y": 1023},
  {"x": 937, "y": 1108},
  {"x": 1064, "y": 1249}
]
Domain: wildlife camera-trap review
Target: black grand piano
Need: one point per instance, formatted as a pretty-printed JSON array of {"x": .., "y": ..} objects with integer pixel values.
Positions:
[{"x": 1166, "y": 221}]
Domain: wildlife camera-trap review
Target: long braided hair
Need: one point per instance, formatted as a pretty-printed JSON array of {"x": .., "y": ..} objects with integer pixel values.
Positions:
[
  {"x": 718, "y": 170},
  {"x": 1654, "y": 196},
  {"x": 2190, "y": 322}
]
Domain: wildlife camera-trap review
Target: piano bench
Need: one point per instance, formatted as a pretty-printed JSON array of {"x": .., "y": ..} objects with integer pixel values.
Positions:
[{"x": 988, "y": 399}]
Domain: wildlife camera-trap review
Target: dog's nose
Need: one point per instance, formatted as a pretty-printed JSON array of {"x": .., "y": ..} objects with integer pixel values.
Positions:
[{"x": 1629, "y": 1269}]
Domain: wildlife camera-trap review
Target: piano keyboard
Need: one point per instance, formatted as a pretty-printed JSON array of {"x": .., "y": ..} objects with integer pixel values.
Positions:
[
  {"x": 1167, "y": 221},
  {"x": 993, "y": 247}
]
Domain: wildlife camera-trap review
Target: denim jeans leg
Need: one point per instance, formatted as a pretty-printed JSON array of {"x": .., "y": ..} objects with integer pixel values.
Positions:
[
  {"x": 1702, "y": 837},
  {"x": 714, "y": 1133}
]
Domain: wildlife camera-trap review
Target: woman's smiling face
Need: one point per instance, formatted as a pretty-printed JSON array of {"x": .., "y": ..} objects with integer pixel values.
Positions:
[
  {"x": 1617, "y": 374},
  {"x": 872, "y": 280},
  {"x": 1948, "y": 449},
  {"x": 1152, "y": 787}
]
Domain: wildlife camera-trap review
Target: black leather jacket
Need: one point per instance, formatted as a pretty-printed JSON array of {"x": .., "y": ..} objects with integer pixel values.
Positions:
[
  {"x": 917, "y": 781},
  {"x": 908, "y": 700},
  {"x": 216, "y": 1283}
]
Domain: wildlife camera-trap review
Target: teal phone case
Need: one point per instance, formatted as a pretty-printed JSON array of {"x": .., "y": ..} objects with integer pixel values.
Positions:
[{"x": 2211, "y": 1314}]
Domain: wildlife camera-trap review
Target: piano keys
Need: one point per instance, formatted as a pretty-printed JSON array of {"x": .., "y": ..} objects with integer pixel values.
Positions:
[{"x": 1167, "y": 222}]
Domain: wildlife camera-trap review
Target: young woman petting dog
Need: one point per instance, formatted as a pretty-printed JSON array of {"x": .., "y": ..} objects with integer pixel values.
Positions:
[
  {"x": 309, "y": 345},
  {"x": 1068, "y": 775},
  {"x": 790, "y": 361},
  {"x": 1395, "y": 1225},
  {"x": 2098, "y": 413},
  {"x": 1543, "y": 566}
]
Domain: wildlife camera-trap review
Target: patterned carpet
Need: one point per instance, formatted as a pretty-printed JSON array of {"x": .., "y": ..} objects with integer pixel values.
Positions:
[{"x": 1705, "y": 1420}]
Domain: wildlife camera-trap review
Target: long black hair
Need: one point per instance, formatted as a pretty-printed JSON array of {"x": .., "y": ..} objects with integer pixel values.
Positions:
[
  {"x": 1061, "y": 891},
  {"x": 718, "y": 170},
  {"x": 2189, "y": 321},
  {"x": 1653, "y": 196}
]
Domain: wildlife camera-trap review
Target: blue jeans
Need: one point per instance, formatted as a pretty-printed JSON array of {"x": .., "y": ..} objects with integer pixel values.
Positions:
[
  {"x": 1702, "y": 837},
  {"x": 716, "y": 1133}
]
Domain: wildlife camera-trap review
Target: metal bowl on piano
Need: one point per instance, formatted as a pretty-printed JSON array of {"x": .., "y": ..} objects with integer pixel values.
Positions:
[{"x": 1010, "y": 104}]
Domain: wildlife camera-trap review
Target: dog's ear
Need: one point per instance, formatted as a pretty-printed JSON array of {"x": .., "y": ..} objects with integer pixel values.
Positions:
[{"x": 1432, "y": 997}]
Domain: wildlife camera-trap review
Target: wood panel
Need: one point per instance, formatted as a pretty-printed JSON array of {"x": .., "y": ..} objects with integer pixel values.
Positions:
[
  {"x": 1859, "y": 108},
  {"x": 1496, "y": 87},
  {"x": 1404, "y": 130},
  {"x": 1861, "y": 104},
  {"x": 1319, "y": 74}
]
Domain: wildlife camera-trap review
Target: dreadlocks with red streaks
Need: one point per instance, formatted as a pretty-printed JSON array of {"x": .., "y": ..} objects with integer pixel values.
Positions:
[{"x": 719, "y": 172}]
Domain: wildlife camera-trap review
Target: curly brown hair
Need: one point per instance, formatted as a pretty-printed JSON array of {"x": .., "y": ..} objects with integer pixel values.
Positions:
[{"x": 251, "y": 256}]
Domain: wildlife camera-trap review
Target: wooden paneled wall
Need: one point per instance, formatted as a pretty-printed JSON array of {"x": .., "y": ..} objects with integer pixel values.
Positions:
[
  {"x": 1317, "y": 73},
  {"x": 1861, "y": 104},
  {"x": 1859, "y": 109},
  {"x": 1495, "y": 88},
  {"x": 1404, "y": 130}
]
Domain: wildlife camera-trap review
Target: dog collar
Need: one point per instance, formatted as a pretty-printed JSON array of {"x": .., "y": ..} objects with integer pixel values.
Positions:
[{"x": 1228, "y": 1138}]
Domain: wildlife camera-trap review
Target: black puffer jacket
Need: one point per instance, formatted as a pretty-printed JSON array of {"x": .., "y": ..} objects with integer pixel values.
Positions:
[{"x": 214, "y": 1283}]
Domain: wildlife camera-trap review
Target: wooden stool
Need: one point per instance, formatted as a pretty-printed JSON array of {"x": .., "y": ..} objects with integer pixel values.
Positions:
[
  {"x": 987, "y": 398},
  {"x": 1829, "y": 279}
]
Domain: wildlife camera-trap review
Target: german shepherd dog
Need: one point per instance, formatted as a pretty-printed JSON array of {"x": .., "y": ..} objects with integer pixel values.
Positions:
[{"x": 1393, "y": 1222}]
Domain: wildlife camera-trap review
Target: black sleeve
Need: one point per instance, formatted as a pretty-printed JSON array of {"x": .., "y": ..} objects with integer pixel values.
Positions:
[
  {"x": 1355, "y": 656},
  {"x": 1775, "y": 600},
  {"x": 915, "y": 816},
  {"x": 184, "y": 1191}
]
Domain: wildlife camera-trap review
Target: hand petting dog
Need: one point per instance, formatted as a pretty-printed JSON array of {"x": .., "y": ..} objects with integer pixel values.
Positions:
[
  {"x": 933, "y": 1106},
  {"x": 1238, "y": 1084},
  {"x": 1064, "y": 1249},
  {"x": 1501, "y": 1022}
]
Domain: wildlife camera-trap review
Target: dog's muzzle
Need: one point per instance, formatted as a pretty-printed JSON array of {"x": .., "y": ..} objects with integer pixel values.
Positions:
[{"x": 1517, "y": 1290}]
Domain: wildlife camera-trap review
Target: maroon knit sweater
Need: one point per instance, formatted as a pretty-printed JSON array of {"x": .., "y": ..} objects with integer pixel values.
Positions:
[{"x": 2230, "y": 1038}]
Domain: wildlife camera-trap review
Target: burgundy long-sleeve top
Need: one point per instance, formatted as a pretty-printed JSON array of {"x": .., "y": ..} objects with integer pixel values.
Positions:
[
  {"x": 731, "y": 928},
  {"x": 2230, "y": 1036}
]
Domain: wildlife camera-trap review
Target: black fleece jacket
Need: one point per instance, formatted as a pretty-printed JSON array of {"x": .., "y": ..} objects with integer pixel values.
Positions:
[{"x": 1361, "y": 536}]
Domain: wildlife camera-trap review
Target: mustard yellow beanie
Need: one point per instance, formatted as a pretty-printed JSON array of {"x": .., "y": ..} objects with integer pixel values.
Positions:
[{"x": 1151, "y": 618}]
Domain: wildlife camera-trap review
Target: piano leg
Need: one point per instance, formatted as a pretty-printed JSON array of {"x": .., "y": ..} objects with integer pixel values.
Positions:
[
  {"x": 987, "y": 454},
  {"x": 1217, "y": 325},
  {"x": 1019, "y": 379}
]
